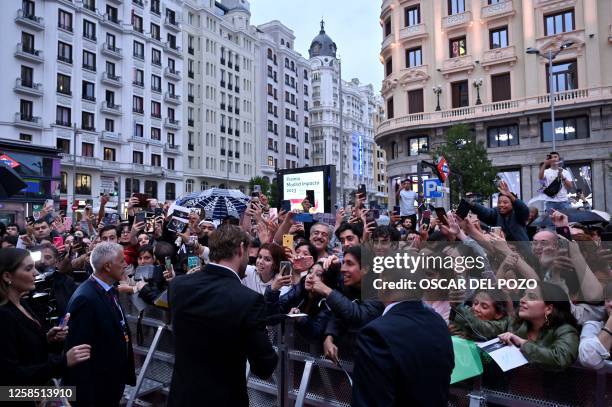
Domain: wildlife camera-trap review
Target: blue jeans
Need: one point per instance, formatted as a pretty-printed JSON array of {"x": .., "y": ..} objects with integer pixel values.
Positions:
[{"x": 557, "y": 205}]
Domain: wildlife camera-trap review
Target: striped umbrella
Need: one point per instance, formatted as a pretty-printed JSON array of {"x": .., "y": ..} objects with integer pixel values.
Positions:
[{"x": 216, "y": 203}]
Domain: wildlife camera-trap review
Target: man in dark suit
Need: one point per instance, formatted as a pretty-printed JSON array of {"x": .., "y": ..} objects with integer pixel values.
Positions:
[
  {"x": 218, "y": 324},
  {"x": 404, "y": 357},
  {"x": 96, "y": 318}
]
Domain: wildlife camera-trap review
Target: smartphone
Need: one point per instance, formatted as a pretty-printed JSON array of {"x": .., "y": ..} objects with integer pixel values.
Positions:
[
  {"x": 193, "y": 262},
  {"x": 49, "y": 203},
  {"x": 140, "y": 217},
  {"x": 257, "y": 190},
  {"x": 303, "y": 263},
  {"x": 273, "y": 212},
  {"x": 375, "y": 213},
  {"x": 150, "y": 222},
  {"x": 286, "y": 205},
  {"x": 142, "y": 200},
  {"x": 426, "y": 217},
  {"x": 286, "y": 268},
  {"x": 496, "y": 230},
  {"x": 303, "y": 217},
  {"x": 310, "y": 196},
  {"x": 463, "y": 209},
  {"x": 441, "y": 214},
  {"x": 110, "y": 218},
  {"x": 58, "y": 241},
  {"x": 30, "y": 220},
  {"x": 362, "y": 190},
  {"x": 396, "y": 209},
  {"x": 67, "y": 224},
  {"x": 288, "y": 241},
  {"x": 168, "y": 263},
  {"x": 159, "y": 212}
]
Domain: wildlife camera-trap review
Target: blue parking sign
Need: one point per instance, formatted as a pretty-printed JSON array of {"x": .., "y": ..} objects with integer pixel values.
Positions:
[{"x": 430, "y": 188}]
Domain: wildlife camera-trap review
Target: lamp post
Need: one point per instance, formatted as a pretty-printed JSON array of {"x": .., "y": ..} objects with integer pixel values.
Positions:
[
  {"x": 477, "y": 84},
  {"x": 437, "y": 90},
  {"x": 550, "y": 56}
]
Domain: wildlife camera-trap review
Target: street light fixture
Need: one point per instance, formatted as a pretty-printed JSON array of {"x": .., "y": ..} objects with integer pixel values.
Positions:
[
  {"x": 550, "y": 56},
  {"x": 477, "y": 84},
  {"x": 437, "y": 90}
]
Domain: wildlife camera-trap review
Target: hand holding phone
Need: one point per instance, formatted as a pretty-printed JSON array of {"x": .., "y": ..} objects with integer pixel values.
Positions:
[
  {"x": 441, "y": 214},
  {"x": 286, "y": 268}
]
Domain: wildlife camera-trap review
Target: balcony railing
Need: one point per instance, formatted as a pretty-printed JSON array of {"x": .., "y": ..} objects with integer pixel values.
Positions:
[
  {"x": 501, "y": 9},
  {"x": 28, "y": 53},
  {"x": 108, "y": 107},
  {"x": 111, "y": 51},
  {"x": 173, "y": 48},
  {"x": 172, "y": 148},
  {"x": 111, "y": 137},
  {"x": 111, "y": 21},
  {"x": 172, "y": 73},
  {"x": 27, "y": 120},
  {"x": 456, "y": 21},
  {"x": 172, "y": 98},
  {"x": 514, "y": 106},
  {"x": 28, "y": 87},
  {"x": 172, "y": 123},
  {"x": 413, "y": 32},
  {"x": 30, "y": 20},
  {"x": 172, "y": 23}
]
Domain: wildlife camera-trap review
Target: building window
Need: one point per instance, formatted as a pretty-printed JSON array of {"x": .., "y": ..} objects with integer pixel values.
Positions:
[
  {"x": 83, "y": 184},
  {"x": 25, "y": 137},
  {"x": 87, "y": 149},
  {"x": 394, "y": 150},
  {"x": 189, "y": 184},
  {"x": 503, "y": 136},
  {"x": 138, "y": 130},
  {"x": 64, "y": 52},
  {"x": 570, "y": 128},
  {"x": 156, "y": 58},
  {"x": 387, "y": 27},
  {"x": 89, "y": 30},
  {"x": 498, "y": 38},
  {"x": 460, "y": 94},
  {"x": 500, "y": 87},
  {"x": 412, "y": 15},
  {"x": 88, "y": 91},
  {"x": 170, "y": 165},
  {"x": 270, "y": 160},
  {"x": 63, "y": 145},
  {"x": 137, "y": 104},
  {"x": 109, "y": 125},
  {"x": 63, "y": 84},
  {"x": 456, "y": 6},
  {"x": 156, "y": 83},
  {"x": 87, "y": 121},
  {"x": 414, "y": 57},
  {"x": 155, "y": 31},
  {"x": 138, "y": 50},
  {"x": 89, "y": 60},
  {"x": 565, "y": 76},
  {"x": 559, "y": 22},
  {"x": 417, "y": 144},
  {"x": 170, "y": 191},
  {"x": 155, "y": 133},
  {"x": 415, "y": 101},
  {"x": 156, "y": 160},
  {"x": 109, "y": 154},
  {"x": 150, "y": 188},
  {"x": 389, "y": 66},
  {"x": 62, "y": 116},
  {"x": 64, "y": 20},
  {"x": 458, "y": 47},
  {"x": 156, "y": 109},
  {"x": 390, "y": 112},
  {"x": 137, "y": 157},
  {"x": 64, "y": 182}
]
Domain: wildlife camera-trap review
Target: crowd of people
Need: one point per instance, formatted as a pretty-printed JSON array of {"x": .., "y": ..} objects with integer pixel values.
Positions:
[{"x": 242, "y": 273}]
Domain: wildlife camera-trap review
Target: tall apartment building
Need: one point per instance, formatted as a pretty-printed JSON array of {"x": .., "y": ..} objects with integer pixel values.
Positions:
[
  {"x": 283, "y": 101},
  {"x": 100, "y": 80},
  {"x": 219, "y": 137},
  {"x": 359, "y": 106},
  {"x": 465, "y": 61}
]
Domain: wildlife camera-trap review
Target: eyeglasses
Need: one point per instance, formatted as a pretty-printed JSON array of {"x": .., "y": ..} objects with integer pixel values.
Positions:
[
  {"x": 542, "y": 243},
  {"x": 319, "y": 233}
]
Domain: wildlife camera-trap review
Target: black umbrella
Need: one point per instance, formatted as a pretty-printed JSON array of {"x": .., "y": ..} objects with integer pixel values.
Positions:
[
  {"x": 582, "y": 216},
  {"x": 10, "y": 182},
  {"x": 542, "y": 221}
]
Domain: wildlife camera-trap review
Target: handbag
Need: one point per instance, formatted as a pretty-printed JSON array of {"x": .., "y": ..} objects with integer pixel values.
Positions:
[{"x": 554, "y": 188}]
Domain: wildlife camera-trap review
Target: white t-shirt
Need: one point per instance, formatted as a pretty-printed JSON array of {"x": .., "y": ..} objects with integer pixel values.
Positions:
[
  {"x": 550, "y": 175},
  {"x": 253, "y": 281},
  {"x": 406, "y": 203}
]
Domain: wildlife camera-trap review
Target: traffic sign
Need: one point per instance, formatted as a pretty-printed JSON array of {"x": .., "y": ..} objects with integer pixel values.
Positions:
[{"x": 430, "y": 188}]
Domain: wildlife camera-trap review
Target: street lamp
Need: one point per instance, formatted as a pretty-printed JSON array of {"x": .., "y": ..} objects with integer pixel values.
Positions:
[
  {"x": 477, "y": 84},
  {"x": 437, "y": 90},
  {"x": 550, "y": 56}
]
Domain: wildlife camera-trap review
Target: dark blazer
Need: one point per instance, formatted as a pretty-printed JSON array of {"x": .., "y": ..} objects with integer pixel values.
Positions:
[
  {"x": 514, "y": 224},
  {"x": 218, "y": 324},
  {"x": 26, "y": 357},
  {"x": 403, "y": 358},
  {"x": 94, "y": 320}
]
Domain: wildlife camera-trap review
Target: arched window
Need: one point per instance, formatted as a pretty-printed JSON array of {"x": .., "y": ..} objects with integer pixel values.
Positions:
[
  {"x": 292, "y": 66},
  {"x": 189, "y": 185},
  {"x": 241, "y": 188}
]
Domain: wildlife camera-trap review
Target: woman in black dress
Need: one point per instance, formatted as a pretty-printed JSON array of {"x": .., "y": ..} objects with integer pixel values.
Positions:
[{"x": 28, "y": 355}]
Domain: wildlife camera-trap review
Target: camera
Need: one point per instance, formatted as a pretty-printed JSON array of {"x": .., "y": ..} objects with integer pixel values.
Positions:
[{"x": 41, "y": 299}]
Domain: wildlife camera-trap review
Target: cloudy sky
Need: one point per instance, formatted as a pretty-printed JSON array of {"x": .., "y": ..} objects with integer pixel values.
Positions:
[{"x": 352, "y": 24}]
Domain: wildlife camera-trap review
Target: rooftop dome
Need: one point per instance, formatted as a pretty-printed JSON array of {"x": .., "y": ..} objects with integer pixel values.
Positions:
[{"x": 322, "y": 45}]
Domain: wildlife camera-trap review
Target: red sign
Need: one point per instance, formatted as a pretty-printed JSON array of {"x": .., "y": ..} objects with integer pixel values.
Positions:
[
  {"x": 443, "y": 168},
  {"x": 5, "y": 159},
  {"x": 75, "y": 207}
]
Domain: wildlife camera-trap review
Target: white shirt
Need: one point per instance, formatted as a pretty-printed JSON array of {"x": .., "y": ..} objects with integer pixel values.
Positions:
[
  {"x": 253, "y": 280},
  {"x": 591, "y": 352},
  {"x": 406, "y": 203},
  {"x": 105, "y": 286},
  {"x": 225, "y": 267},
  {"x": 550, "y": 175}
]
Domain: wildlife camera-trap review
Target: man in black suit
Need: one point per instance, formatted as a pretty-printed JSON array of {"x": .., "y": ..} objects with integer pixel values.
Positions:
[
  {"x": 96, "y": 318},
  {"x": 218, "y": 324},
  {"x": 404, "y": 357}
]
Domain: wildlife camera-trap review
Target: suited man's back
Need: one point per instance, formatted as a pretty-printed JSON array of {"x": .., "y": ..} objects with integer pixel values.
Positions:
[
  {"x": 403, "y": 358},
  {"x": 218, "y": 324}
]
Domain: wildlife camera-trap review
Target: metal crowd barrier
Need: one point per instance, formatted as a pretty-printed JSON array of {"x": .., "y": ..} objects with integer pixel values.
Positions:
[{"x": 305, "y": 378}]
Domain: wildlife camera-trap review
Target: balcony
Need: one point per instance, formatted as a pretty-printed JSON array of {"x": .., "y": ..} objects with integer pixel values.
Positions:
[
  {"x": 139, "y": 3},
  {"x": 459, "y": 64},
  {"x": 172, "y": 124},
  {"x": 111, "y": 137},
  {"x": 413, "y": 32},
  {"x": 499, "y": 56},
  {"x": 30, "y": 21},
  {"x": 385, "y": 43},
  {"x": 111, "y": 108},
  {"x": 138, "y": 110},
  {"x": 172, "y": 98},
  {"x": 499, "y": 10},
  {"x": 552, "y": 42},
  {"x": 28, "y": 87},
  {"x": 172, "y": 24},
  {"x": 111, "y": 80},
  {"x": 31, "y": 122},
  {"x": 173, "y": 49},
  {"x": 172, "y": 74},
  {"x": 110, "y": 21},
  {"x": 456, "y": 21},
  {"x": 568, "y": 99},
  {"x": 81, "y": 162},
  {"x": 66, "y": 60},
  {"x": 118, "y": 2},
  {"x": 172, "y": 148},
  {"x": 29, "y": 54},
  {"x": 191, "y": 50},
  {"x": 111, "y": 51},
  {"x": 156, "y": 90}
]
